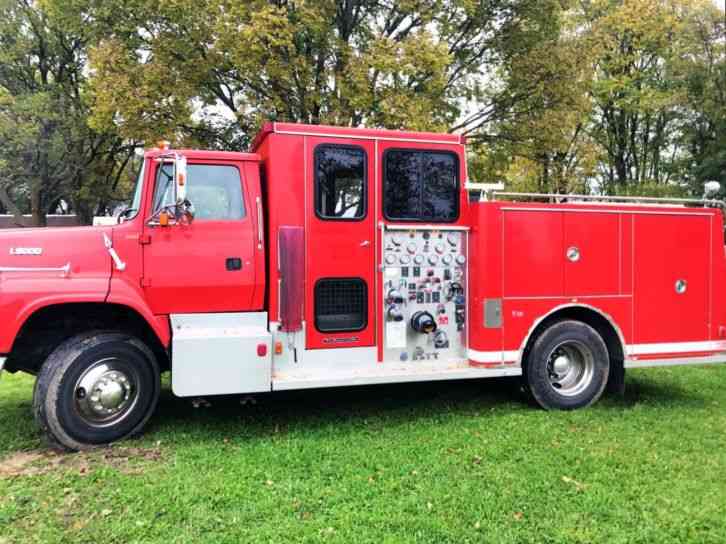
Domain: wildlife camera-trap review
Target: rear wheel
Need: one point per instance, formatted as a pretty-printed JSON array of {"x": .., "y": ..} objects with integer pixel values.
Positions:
[
  {"x": 567, "y": 367},
  {"x": 94, "y": 389}
]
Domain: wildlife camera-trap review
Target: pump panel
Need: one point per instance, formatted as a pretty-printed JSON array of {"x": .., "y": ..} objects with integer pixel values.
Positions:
[{"x": 424, "y": 294}]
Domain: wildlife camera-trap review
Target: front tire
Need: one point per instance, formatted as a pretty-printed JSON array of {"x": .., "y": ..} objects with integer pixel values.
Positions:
[
  {"x": 94, "y": 389},
  {"x": 567, "y": 367}
]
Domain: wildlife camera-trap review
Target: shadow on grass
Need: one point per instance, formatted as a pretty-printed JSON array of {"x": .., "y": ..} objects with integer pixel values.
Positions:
[
  {"x": 389, "y": 405},
  {"x": 654, "y": 393},
  {"x": 315, "y": 408}
]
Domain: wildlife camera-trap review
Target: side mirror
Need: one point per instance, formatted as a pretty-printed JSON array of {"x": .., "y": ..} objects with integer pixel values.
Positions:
[
  {"x": 180, "y": 178},
  {"x": 711, "y": 188}
]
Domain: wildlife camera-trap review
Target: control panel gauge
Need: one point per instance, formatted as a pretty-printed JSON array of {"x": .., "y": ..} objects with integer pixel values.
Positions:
[
  {"x": 390, "y": 259},
  {"x": 452, "y": 238},
  {"x": 433, "y": 259},
  {"x": 447, "y": 259},
  {"x": 460, "y": 259},
  {"x": 439, "y": 248},
  {"x": 397, "y": 239},
  {"x": 411, "y": 248},
  {"x": 404, "y": 259},
  {"x": 418, "y": 259}
]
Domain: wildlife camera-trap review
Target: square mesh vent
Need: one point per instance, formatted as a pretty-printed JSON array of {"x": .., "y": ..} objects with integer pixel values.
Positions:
[{"x": 341, "y": 304}]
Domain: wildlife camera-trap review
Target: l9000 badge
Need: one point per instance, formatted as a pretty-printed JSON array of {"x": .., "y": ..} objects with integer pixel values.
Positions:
[{"x": 26, "y": 251}]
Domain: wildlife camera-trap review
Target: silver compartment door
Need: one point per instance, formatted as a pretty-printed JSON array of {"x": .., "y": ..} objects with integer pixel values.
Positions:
[{"x": 217, "y": 354}]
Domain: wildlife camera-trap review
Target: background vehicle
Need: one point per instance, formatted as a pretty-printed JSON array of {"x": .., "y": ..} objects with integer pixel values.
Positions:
[{"x": 331, "y": 257}]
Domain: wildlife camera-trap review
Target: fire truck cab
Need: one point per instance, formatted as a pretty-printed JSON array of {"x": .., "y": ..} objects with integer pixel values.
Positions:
[{"x": 337, "y": 256}]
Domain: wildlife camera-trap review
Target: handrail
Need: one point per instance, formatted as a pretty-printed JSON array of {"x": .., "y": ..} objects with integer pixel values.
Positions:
[{"x": 564, "y": 197}]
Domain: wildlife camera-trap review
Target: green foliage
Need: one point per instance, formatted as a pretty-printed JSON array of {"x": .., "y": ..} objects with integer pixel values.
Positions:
[
  {"x": 48, "y": 152},
  {"x": 634, "y": 101},
  {"x": 416, "y": 64}
]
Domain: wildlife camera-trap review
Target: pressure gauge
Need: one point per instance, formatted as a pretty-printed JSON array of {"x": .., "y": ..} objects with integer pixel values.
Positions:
[
  {"x": 452, "y": 238},
  {"x": 390, "y": 259},
  {"x": 411, "y": 247},
  {"x": 396, "y": 239},
  {"x": 439, "y": 248},
  {"x": 418, "y": 259},
  {"x": 433, "y": 259},
  {"x": 404, "y": 259},
  {"x": 460, "y": 259},
  {"x": 447, "y": 259}
]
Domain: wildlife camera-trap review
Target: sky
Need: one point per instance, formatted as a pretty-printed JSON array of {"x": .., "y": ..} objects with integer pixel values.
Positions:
[{"x": 720, "y": 3}]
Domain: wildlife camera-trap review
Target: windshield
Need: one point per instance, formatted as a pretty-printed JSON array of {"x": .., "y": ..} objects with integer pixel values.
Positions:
[{"x": 133, "y": 208}]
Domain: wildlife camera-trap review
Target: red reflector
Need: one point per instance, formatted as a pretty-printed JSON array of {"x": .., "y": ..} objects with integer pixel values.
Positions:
[{"x": 261, "y": 350}]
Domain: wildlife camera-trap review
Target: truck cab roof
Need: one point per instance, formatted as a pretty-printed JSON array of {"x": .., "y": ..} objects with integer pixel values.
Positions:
[{"x": 205, "y": 154}]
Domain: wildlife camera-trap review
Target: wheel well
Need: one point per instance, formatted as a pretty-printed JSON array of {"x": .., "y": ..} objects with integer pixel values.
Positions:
[
  {"x": 591, "y": 317},
  {"x": 48, "y": 327}
]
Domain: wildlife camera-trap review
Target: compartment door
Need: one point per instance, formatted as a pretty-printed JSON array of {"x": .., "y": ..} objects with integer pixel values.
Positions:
[
  {"x": 591, "y": 253},
  {"x": 340, "y": 243},
  {"x": 669, "y": 249}
]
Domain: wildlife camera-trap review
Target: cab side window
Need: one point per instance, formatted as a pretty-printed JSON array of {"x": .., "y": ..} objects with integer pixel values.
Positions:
[
  {"x": 214, "y": 190},
  {"x": 340, "y": 182},
  {"x": 420, "y": 185}
]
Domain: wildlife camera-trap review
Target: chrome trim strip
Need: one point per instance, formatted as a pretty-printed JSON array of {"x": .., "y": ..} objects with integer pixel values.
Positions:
[
  {"x": 607, "y": 317},
  {"x": 65, "y": 269},
  {"x": 3, "y": 360},
  {"x": 676, "y": 347},
  {"x": 709, "y": 360}
]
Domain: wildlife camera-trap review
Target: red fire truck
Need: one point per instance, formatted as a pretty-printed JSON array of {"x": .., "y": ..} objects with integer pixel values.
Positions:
[{"x": 336, "y": 256}]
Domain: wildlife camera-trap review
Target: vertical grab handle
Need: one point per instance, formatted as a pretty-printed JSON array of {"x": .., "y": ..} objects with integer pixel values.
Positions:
[{"x": 260, "y": 239}]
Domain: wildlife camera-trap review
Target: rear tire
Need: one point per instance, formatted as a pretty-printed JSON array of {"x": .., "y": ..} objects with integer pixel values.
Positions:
[
  {"x": 94, "y": 389},
  {"x": 567, "y": 367}
]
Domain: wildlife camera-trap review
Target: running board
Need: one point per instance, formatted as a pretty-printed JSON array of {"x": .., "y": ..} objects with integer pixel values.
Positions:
[{"x": 385, "y": 374}]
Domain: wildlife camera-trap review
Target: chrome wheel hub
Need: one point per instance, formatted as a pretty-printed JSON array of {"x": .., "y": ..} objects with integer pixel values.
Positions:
[
  {"x": 106, "y": 392},
  {"x": 571, "y": 368}
]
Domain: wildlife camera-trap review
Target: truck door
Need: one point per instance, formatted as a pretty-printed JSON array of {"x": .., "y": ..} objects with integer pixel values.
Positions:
[
  {"x": 209, "y": 265},
  {"x": 340, "y": 243}
]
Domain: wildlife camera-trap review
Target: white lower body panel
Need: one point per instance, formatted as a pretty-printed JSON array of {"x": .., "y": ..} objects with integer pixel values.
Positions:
[{"x": 220, "y": 354}]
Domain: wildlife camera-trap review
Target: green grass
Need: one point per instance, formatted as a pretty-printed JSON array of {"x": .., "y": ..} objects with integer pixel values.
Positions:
[{"x": 444, "y": 462}]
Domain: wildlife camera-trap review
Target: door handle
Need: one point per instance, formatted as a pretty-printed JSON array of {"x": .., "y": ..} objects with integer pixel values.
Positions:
[
  {"x": 233, "y": 263},
  {"x": 365, "y": 243}
]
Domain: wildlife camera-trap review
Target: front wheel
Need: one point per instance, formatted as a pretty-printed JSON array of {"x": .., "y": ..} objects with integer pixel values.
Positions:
[
  {"x": 567, "y": 367},
  {"x": 94, "y": 389}
]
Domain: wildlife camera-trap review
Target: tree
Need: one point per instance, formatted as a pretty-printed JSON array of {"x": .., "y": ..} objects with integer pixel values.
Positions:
[
  {"x": 48, "y": 153},
  {"x": 210, "y": 73},
  {"x": 704, "y": 73},
  {"x": 540, "y": 143}
]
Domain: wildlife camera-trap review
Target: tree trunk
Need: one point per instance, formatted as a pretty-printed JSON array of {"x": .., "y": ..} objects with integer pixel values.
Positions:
[
  {"x": 38, "y": 216},
  {"x": 18, "y": 218}
]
